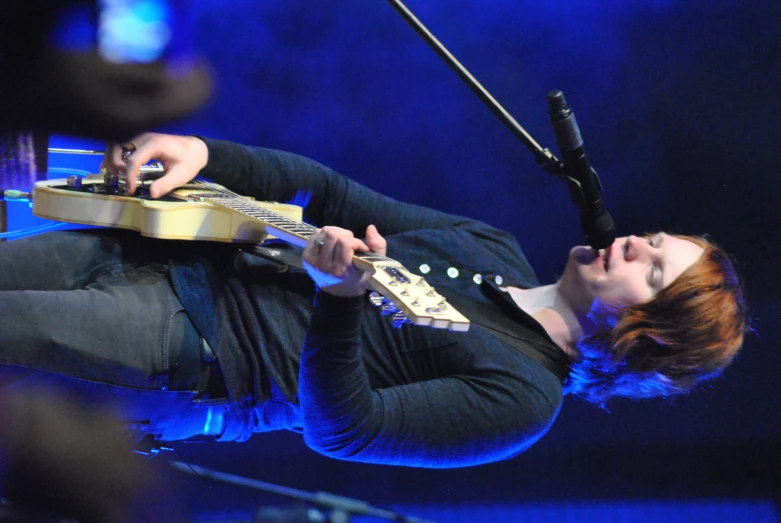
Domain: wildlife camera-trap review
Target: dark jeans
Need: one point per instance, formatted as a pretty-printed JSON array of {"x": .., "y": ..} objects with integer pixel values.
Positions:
[{"x": 93, "y": 311}]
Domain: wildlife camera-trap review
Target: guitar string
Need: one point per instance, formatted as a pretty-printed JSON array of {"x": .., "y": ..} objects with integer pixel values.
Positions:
[
  {"x": 309, "y": 228},
  {"x": 221, "y": 190}
]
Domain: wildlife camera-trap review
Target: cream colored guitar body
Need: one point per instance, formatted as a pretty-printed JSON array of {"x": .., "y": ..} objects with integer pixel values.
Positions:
[{"x": 171, "y": 220}]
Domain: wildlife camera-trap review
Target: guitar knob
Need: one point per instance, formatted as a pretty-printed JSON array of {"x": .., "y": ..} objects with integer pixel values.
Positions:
[
  {"x": 376, "y": 299},
  {"x": 111, "y": 180},
  {"x": 400, "y": 319},
  {"x": 388, "y": 309}
]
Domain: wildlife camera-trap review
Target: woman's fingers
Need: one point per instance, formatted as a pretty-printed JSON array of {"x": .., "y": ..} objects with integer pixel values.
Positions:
[
  {"x": 175, "y": 176},
  {"x": 331, "y": 249},
  {"x": 182, "y": 157},
  {"x": 342, "y": 261},
  {"x": 328, "y": 257},
  {"x": 376, "y": 242},
  {"x": 325, "y": 249},
  {"x": 113, "y": 159},
  {"x": 144, "y": 152}
]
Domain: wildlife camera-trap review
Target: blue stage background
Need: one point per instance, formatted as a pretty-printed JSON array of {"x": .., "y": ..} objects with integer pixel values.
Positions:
[{"x": 679, "y": 105}]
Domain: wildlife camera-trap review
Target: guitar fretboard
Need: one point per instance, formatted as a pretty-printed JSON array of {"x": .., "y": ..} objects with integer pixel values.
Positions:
[{"x": 292, "y": 231}]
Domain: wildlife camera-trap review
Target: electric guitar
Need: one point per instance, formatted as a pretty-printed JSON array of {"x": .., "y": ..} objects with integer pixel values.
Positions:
[{"x": 203, "y": 210}]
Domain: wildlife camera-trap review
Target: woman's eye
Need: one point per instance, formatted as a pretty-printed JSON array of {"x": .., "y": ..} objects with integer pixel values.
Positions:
[
  {"x": 653, "y": 279},
  {"x": 650, "y": 241}
]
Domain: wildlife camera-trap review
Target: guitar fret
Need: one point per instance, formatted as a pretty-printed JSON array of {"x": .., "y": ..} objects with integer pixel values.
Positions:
[{"x": 239, "y": 204}]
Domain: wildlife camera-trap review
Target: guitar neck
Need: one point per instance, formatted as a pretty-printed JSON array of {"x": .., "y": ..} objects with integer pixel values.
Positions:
[{"x": 290, "y": 231}]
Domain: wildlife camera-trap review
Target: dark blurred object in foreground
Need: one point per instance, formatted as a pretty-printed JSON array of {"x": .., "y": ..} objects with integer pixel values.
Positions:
[
  {"x": 73, "y": 89},
  {"x": 62, "y": 461}
]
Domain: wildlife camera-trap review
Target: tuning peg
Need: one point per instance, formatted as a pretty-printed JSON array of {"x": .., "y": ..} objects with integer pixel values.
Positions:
[
  {"x": 376, "y": 299},
  {"x": 388, "y": 309},
  {"x": 400, "y": 319}
]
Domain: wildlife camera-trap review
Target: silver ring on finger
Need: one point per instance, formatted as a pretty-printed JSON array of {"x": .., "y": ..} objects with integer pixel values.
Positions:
[{"x": 127, "y": 150}]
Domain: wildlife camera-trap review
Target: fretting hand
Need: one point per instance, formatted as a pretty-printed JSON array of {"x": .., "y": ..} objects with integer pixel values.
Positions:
[
  {"x": 328, "y": 258},
  {"x": 182, "y": 157}
]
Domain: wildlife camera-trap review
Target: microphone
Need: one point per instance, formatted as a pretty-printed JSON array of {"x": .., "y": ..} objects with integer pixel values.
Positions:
[{"x": 582, "y": 180}]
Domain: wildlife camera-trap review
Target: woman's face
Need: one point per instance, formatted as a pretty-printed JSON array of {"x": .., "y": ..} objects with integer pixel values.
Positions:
[{"x": 629, "y": 272}]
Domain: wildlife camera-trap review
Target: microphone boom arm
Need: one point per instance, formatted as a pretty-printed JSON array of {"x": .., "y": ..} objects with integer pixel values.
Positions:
[
  {"x": 543, "y": 156},
  {"x": 574, "y": 168}
]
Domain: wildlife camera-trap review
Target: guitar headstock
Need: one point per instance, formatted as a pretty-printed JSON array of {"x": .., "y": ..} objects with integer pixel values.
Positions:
[{"x": 411, "y": 299}]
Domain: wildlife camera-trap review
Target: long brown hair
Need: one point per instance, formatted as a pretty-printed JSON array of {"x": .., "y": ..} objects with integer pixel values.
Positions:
[{"x": 690, "y": 331}]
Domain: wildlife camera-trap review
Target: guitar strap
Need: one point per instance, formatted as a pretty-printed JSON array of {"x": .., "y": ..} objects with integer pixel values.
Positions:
[
  {"x": 502, "y": 318},
  {"x": 278, "y": 252}
]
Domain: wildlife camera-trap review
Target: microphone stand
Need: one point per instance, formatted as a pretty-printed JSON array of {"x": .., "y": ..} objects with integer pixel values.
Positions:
[
  {"x": 341, "y": 507},
  {"x": 542, "y": 156},
  {"x": 574, "y": 170}
]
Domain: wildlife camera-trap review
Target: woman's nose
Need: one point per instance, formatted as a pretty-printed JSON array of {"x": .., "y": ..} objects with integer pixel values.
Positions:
[{"x": 635, "y": 247}]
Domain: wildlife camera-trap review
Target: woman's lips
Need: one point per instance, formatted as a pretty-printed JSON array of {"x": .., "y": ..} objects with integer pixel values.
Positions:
[{"x": 589, "y": 256}]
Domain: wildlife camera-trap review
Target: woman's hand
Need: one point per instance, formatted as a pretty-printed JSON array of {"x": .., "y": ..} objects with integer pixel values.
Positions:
[
  {"x": 328, "y": 258},
  {"x": 182, "y": 157}
]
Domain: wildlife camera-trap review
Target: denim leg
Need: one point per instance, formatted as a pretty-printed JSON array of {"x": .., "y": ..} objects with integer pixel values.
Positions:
[
  {"x": 94, "y": 312},
  {"x": 64, "y": 260},
  {"x": 116, "y": 330},
  {"x": 96, "y": 304}
]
